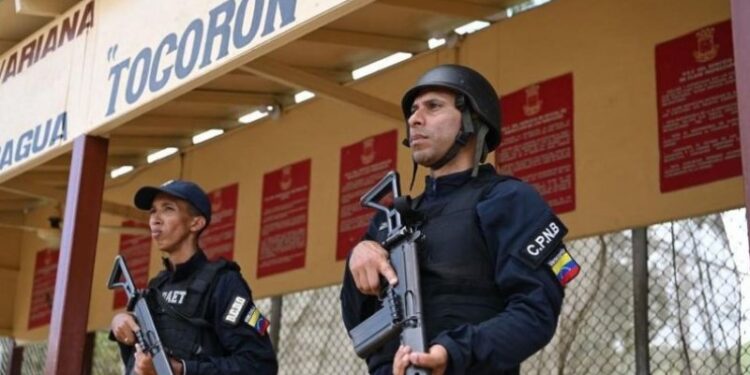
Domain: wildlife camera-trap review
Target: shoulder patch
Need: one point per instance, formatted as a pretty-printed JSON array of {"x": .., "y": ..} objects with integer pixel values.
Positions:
[
  {"x": 256, "y": 320},
  {"x": 564, "y": 266},
  {"x": 234, "y": 310},
  {"x": 544, "y": 243}
]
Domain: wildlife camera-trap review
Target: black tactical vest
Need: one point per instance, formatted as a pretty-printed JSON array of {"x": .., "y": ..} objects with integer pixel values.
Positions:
[
  {"x": 182, "y": 327},
  {"x": 457, "y": 268}
]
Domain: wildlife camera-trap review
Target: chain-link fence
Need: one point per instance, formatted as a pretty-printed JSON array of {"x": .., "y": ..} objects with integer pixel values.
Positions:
[
  {"x": 595, "y": 331},
  {"x": 313, "y": 338},
  {"x": 698, "y": 289},
  {"x": 698, "y": 311},
  {"x": 34, "y": 358},
  {"x": 698, "y": 278},
  {"x": 6, "y": 352}
]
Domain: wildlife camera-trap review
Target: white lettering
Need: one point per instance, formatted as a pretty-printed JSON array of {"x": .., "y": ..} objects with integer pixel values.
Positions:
[
  {"x": 174, "y": 296},
  {"x": 533, "y": 250},
  {"x": 180, "y": 296},
  {"x": 548, "y": 234},
  {"x": 554, "y": 227},
  {"x": 539, "y": 240},
  {"x": 235, "y": 310}
]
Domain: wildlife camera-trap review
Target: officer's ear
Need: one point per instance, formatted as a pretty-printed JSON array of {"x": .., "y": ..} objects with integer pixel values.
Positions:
[{"x": 197, "y": 223}]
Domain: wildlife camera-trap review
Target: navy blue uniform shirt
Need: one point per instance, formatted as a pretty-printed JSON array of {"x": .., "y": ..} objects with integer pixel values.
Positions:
[
  {"x": 250, "y": 352},
  {"x": 511, "y": 216}
]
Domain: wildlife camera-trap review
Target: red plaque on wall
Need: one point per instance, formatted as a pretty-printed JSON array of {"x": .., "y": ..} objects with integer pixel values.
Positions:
[
  {"x": 697, "y": 105},
  {"x": 217, "y": 241},
  {"x": 363, "y": 164},
  {"x": 537, "y": 140},
  {"x": 136, "y": 249},
  {"x": 283, "y": 228},
  {"x": 43, "y": 289}
]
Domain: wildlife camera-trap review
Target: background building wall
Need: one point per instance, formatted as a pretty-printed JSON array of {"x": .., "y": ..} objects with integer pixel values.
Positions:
[{"x": 608, "y": 46}]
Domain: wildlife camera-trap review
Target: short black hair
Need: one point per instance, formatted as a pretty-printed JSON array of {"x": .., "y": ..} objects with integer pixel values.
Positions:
[{"x": 193, "y": 211}]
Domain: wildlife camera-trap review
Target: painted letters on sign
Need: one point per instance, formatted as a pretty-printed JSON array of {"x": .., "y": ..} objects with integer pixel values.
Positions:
[
  {"x": 54, "y": 36},
  {"x": 33, "y": 141},
  {"x": 231, "y": 24},
  {"x": 103, "y": 59},
  {"x": 41, "y": 84}
]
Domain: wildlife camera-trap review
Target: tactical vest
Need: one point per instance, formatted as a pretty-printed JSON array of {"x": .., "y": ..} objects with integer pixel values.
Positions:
[
  {"x": 182, "y": 327},
  {"x": 457, "y": 269}
]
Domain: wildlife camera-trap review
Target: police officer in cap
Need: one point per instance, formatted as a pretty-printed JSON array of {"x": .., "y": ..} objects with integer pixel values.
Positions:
[
  {"x": 492, "y": 265},
  {"x": 204, "y": 311}
]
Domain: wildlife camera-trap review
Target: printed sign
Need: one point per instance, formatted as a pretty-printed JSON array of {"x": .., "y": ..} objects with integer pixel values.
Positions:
[
  {"x": 136, "y": 249},
  {"x": 87, "y": 74},
  {"x": 52, "y": 62},
  {"x": 363, "y": 164},
  {"x": 283, "y": 228},
  {"x": 43, "y": 289},
  {"x": 537, "y": 140},
  {"x": 697, "y": 103},
  {"x": 217, "y": 241}
]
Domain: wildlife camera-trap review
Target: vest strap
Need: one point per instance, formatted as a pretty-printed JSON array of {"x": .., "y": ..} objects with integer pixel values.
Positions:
[
  {"x": 198, "y": 286},
  {"x": 174, "y": 313}
]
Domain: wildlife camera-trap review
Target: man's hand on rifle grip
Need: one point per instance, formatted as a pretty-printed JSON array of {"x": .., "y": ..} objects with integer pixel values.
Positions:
[
  {"x": 144, "y": 363},
  {"x": 436, "y": 360},
  {"x": 368, "y": 262},
  {"x": 124, "y": 327}
]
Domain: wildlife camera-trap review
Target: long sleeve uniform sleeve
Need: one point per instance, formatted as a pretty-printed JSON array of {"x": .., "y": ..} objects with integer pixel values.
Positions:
[
  {"x": 249, "y": 350},
  {"x": 511, "y": 216}
]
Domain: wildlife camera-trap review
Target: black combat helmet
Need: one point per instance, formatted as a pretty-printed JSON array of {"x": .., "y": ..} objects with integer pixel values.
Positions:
[{"x": 475, "y": 99}]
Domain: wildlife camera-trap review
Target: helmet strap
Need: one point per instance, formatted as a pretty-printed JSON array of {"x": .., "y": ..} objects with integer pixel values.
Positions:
[
  {"x": 466, "y": 131},
  {"x": 413, "y": 174},
  {"x": 480, "y": 150},
  {"x": 458, "y": 143},
  {"x": 452, "y": 152}
]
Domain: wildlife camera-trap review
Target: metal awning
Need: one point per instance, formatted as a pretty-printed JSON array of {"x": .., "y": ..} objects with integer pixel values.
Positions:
[{"x": 320, "y": 61}]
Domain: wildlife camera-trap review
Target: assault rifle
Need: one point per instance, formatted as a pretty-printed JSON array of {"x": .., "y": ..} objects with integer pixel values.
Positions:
[
  {"x": 147, "y": 336},
  {"x": 401, "y": 310}
]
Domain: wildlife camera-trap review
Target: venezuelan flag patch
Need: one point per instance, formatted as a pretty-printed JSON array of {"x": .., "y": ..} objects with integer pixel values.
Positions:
[
  {"x": 256, "y": 320},
  {"x": 564, "y": 267}
]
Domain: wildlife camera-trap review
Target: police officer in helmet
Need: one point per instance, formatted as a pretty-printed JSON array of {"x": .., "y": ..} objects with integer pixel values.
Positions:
[
  {"x": 491, "y": 292},
  {"x": 203, "y": 310}
]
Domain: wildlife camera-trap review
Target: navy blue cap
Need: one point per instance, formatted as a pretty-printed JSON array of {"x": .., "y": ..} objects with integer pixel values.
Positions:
[{"x": 184, "y": 190}]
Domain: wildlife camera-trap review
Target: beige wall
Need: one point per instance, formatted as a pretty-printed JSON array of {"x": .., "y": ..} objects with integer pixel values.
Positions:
[
  {"x": 609, "y": 48},
  {"x": 30, "y": 245},
  {"x": 607, "y": 45},
  {"x": 10, "y": 247}
]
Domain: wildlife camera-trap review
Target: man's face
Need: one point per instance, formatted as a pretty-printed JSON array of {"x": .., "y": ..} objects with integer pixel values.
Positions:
[
  {"x": 171, "y": 222},
  {"x": 433, "y": 125}
]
